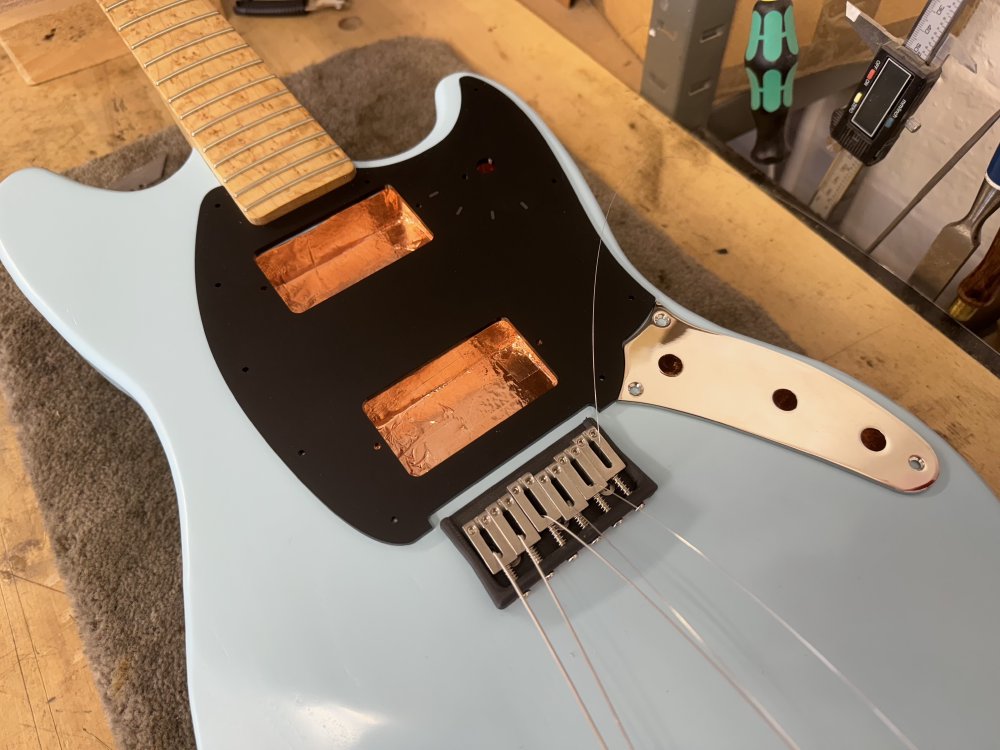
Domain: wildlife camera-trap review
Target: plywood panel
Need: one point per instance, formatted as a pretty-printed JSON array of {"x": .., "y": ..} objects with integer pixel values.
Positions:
[{"x": 66, "y": 38}]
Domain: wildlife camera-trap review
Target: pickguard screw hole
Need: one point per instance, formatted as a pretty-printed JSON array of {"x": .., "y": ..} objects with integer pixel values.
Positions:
[
  {"x": 218, "y": 205},
  {"x": 631, "y": 298},
  {"x": 302, "y": 451},
  {"x": 873, "y": 439},
  {"x": 539, "y": 342},
  {"x": 245, "y": 369},
  {"x": 670, "y": 365},
  {"x": 395, "y": 519},
  {"x": 264, "y": 288},
  {"x": 377, "y": 446},
  {"x": 784, "y": 399},
  {"x": 218, "y": 284},
  {"x": 917, "y": 463},
  {"x": 601, "y": 378}
]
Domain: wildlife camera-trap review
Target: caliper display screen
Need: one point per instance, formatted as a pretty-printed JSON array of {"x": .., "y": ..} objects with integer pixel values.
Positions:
[{"x": 885, "y": 90}]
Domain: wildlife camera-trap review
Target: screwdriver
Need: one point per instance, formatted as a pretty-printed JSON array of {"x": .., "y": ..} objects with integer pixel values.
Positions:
[
  {"x": 959, "y": 240},
  {"x": 771, "y": 59}
]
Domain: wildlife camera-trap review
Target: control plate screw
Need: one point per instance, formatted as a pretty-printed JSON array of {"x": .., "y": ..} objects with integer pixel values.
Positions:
[
  {"x": 635, "y": 388},
  {"x": 661, "y": 319}
]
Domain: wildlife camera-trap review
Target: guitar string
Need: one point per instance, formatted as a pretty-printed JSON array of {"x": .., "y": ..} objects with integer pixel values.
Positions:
[
  {"x": 869, "y": 703},
  {"x": 579, "y": 643},
  {"x": 593, "y": 316},
  {"x": 593, "y": 362},
  {"x": 688, "y": 632},
  {"x": 552, "y": 652}
]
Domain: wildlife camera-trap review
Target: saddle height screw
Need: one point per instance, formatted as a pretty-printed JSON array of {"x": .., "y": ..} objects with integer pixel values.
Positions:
[
  {"x": 635, "y": 388},
  {"x": 661, "y": 319}
]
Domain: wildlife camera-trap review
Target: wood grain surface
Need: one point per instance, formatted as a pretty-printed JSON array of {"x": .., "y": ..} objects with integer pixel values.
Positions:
[
  {"x": 61, "y": 38},
  {"x": 47, "y": 695},
  {"x": 832, "y": 309}
]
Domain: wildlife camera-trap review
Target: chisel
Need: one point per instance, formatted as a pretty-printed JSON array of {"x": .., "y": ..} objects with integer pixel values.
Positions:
[
  {"x": 895, "y": 83},
  {"x": 959, "y": 240},
  {"x": 978, "y": 298},
  {"x": 771, "y": 59}
]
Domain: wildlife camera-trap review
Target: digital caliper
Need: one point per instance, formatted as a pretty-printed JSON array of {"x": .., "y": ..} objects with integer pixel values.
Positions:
[{"x": 894, "y": 85}]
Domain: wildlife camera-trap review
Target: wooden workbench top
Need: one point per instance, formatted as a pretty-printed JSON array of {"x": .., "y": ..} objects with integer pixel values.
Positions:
[{"x": 832, "y": 309}]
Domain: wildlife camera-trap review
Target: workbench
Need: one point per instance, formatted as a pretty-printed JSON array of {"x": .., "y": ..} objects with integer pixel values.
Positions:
[{"x": 833, "y": 310}]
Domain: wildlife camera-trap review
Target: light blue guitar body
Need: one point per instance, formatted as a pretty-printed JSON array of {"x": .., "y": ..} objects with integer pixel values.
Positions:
[{"x": 303, "y": 633}]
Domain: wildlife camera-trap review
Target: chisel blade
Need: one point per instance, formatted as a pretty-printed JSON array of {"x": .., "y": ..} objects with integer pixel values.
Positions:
[{"x": 951, "y": 248}]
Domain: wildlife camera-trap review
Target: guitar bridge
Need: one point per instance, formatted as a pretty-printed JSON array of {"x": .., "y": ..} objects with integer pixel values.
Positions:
[{"x": 582, "y": 482}]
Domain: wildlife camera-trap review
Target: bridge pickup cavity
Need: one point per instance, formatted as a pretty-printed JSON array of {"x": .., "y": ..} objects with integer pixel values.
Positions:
[{"x": 581, "y": 481}]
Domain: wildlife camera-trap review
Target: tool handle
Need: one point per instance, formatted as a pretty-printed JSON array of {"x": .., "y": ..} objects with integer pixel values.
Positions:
[
  {"x": 993, "y": 170},
  {"x": 771, "y": 59},
  {"x": 980, "y": 288},
  {"x": 270, "y": 7}
]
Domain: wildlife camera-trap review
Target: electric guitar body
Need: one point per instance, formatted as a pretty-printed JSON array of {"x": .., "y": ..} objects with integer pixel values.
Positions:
[{"x": 325, "y": 607}]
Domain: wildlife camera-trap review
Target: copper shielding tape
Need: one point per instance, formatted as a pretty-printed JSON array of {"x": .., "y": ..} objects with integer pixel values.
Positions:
[
  {"x": 432, "y": 414},
  {"x": 344, "y": 249}
]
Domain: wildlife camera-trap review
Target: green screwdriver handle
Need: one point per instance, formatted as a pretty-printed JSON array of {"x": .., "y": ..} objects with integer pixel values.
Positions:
[{"x": 771, "y": 59}]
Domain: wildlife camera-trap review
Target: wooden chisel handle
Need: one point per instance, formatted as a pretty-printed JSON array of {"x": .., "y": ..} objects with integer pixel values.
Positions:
[{"x": 980, "y": 289}]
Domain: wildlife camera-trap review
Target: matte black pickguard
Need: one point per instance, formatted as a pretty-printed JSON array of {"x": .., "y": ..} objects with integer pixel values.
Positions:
[{"x": 302, "y": 378}]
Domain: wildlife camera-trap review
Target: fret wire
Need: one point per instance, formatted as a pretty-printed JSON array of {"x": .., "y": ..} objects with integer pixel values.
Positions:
[
  {"x": 174, "y": 27},
  {"x": 220, "y": 97},
  {"x": 213, "y": 79},
  {"x": 251, "y": 125},
  {"x": 202, "y": 61},
  {"x": 293, "y": 165},
  {"x": 154, "y": 12},
  {"x": 244, "y": 108},
  {"x": 273, "y": 154},
  {"x": 259, "y": 141},
  {"x": 115, "y": 5},
  {"x": 293, "y": 183},
  {"x": 179, "y": 47}
]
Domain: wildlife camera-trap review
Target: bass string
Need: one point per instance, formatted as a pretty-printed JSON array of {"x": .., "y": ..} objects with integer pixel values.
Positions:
[
  {"x": 802, "y": 640},
  {"x": 688, "y": 632},
  {"x": 579, "y": 644},
  {"x": 553, "y": 653}
]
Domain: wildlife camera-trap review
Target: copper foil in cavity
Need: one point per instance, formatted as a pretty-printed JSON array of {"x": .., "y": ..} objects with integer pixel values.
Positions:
[
  {"x": 344, "y": 249},
  {"x": 451, "y": 401}
]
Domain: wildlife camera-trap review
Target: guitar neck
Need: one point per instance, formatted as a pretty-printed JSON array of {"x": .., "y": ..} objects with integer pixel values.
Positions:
[{"x": 261, "y": 143}]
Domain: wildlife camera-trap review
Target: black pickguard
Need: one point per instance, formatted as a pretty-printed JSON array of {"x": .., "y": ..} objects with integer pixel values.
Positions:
[{"x": 302, "y": 378}]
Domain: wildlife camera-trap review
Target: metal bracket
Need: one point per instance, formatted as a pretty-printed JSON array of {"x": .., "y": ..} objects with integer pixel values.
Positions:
[
  {"x": 687, "y": 39},
  {"x": 764, "y": 392}
]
